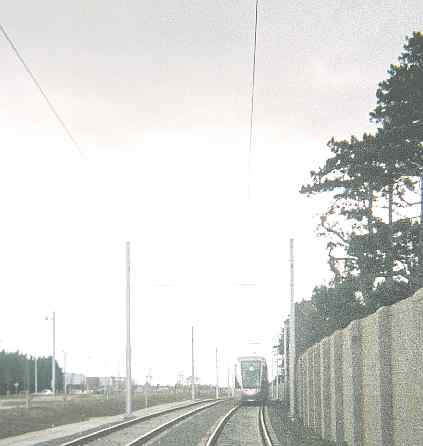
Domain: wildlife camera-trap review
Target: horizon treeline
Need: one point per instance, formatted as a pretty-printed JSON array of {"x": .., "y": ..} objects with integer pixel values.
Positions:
[{"x": 17, "y": 373}]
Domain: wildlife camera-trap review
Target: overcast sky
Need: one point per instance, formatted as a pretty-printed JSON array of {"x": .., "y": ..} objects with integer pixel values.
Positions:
[{"x": 157, "y": 94}]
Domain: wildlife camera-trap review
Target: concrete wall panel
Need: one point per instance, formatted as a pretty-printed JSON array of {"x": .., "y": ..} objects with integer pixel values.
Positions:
[
  {"x": 407, "y": 381},
  {"x": 364, "y": 384},
  {"x": 310, "y": 386},
  {"x": 337, "y": 387},
  {"x": 347, "y": 385},
  {"x": 300, "y": 388},
  {"x": 305, "y": 391},
  {"x": 371, "y": 421},
  {"x": 384, "y": 345},
  {"x": 357, "y": 381},
  {"x": 317, "y": 390},
  {"x": 325, "y": 387}
]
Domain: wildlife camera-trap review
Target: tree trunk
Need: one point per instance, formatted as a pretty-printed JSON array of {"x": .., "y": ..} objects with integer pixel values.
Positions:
[
  {"x": 390, "y": 253},
  {"x": 370, "y": 273}
]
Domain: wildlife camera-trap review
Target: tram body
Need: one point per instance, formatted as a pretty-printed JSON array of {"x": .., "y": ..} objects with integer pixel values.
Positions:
[{"x": 251, "y": 382}]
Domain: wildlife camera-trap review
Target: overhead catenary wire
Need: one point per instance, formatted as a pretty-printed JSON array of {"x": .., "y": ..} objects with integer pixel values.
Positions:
[
  {"x": 252, "y": 100},
  {"x": 40, "y": 89}
]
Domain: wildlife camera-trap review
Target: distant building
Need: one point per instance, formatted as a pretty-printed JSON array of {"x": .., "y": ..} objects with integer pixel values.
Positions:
[
  {"x": 92, "y": 382},
  {"x": 180, "y": 379},
  {"x": 113, "y": 383},
  {"x": 80, "y": 382},
  {"x": 74, "y": 379},
  {"x": 188, "y": 380},
  {"x": 74, "y": 382}
]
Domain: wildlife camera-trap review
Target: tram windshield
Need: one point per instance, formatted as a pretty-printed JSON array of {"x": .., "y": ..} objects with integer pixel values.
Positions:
[{"x": 251, "y": 374}]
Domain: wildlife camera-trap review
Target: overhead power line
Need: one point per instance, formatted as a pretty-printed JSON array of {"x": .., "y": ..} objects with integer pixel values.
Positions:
[
  {"x": 40, "y": 89},
  {"x": 252, "y": 100}
]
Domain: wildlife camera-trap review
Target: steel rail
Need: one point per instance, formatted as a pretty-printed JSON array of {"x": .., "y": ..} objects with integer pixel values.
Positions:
[
  {"x": 116, "y": 427},
  {"x": 267, "y": 441},
  {"x": 265, "y": 436},
  {"x": 219, "y": 428},
  {"x": 163, "y": 427}
]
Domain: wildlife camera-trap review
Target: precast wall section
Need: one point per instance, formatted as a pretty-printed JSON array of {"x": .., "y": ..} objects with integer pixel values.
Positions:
[
  {"x": 407, "y": 371},
  {"x": 347, "y": 387},
  {"x": 363, "y": 385},
  {"x": 336, "y": 343},
  {"x": 325, "y": 389},
  {"x": 317, "y": 394},
  {"x": 370, "y": 394}
]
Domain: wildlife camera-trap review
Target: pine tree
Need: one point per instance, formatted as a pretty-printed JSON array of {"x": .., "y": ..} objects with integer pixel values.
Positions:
[
  {"x": 374, "y": 250},
  {"x": 399, "y": 113}
]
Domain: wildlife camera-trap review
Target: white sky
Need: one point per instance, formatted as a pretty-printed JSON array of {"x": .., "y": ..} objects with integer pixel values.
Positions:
[{"x": 157, "y": 94}]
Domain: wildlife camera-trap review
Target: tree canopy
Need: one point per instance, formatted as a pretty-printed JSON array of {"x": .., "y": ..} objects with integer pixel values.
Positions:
[{"x": 374, "y": 234}]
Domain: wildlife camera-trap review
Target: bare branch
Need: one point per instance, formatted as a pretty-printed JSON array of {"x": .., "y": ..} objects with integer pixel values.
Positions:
[
  {"x": 346, "y": 258},
  {"x": 334, "y": 231},
  {"x": 408, "y": 203}
]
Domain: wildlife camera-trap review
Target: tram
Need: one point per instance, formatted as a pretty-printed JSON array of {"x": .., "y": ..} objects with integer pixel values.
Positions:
[{"x": 251, "y": 382}]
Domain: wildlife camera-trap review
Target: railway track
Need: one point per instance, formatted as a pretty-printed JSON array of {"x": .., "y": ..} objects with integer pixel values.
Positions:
[
  {"x": 140, "y": 430},
  {"x": 203, "y": 423},
  {"x": 242, "y": 426}
]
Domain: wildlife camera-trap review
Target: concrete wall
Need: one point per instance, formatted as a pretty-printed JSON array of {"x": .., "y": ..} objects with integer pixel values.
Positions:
[
  {"x": 364, "y": 385},
  {"x": 407, "y": 371},
  {"x": 325, "y": 388}
]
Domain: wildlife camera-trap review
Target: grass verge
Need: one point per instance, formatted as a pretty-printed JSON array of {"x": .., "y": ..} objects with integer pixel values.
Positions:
[{"x": 48, "y": 414}]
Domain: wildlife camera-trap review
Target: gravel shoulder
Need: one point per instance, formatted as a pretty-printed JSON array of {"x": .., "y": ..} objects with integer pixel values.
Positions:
[
  {"x": 291, "y": 433},
  {"x": 193, "y": 431},
  {"x": 134, "y": 431},
  {"x": 242, "y": 429}
]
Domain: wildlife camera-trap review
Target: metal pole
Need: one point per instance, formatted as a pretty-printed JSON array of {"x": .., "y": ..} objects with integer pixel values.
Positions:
[
  {"x": 273, "y": 377},
  {"x": 292, "y": 353},
  {"x": 192, "y": 365},
  {"x": 128, "y": 334},
  {"x": 148, "y": 380},
  {"x": 285, "y": 362},
  {"x": 229, "y": 382},
  {"x": 234, "y": 389},
  {"x": 27, "y": 383},
  {"x": 88, "y": 373},
  {"x": 53, "y": 359},
  {"x": 36, "y": 375},
  {"x": 145, "y": 392},
  {"x": 64, "y": 372},
  {"x": 277, "y": 376},
  {"x": 217, "y": 378}
]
